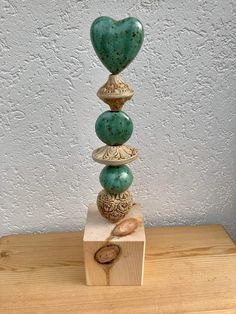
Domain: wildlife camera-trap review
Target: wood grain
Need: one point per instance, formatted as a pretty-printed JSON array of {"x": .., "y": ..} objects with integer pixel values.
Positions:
[
  {"x": 127, "y": 267},
  {"x": 187, "y": 270}
]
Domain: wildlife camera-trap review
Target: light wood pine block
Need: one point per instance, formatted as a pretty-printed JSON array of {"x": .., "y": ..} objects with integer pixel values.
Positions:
[
  {"x": 127, "y": 268},
  {"x": 187, "y": 270}
]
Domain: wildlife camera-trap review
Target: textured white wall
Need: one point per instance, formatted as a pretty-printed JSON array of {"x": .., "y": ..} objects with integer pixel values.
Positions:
[{"x": 183, "y": 111}]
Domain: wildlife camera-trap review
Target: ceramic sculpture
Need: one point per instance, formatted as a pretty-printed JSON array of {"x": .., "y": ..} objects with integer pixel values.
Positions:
[
  {"x": 116, "y": 44},
  {"x": 114, "y": 247}
]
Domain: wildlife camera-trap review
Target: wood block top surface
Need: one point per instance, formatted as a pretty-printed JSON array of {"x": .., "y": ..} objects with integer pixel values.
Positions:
[
  {"x": 187, "y": 270},
  {"x": 98, "y": 228}
]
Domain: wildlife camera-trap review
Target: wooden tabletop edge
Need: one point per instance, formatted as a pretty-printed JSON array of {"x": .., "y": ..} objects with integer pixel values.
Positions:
[{"x": 147, "y": 229}]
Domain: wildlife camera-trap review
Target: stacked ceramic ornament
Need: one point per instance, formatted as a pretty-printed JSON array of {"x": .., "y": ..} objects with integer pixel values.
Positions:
[{"x": 116, "y": 44}]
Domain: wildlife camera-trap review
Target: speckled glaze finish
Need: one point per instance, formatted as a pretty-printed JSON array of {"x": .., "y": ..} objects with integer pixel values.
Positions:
[
  {"x": 116, "y": 42},
  {"x": 116, "y": 179},
  {"x": 114, "y": 127}
]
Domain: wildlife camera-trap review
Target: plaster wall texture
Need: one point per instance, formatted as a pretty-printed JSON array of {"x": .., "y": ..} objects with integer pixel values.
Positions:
[{"x": 183, "y": 112}]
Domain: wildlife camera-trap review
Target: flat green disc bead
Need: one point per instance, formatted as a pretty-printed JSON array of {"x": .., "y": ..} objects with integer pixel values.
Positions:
[
  {"x": 116, "y": 179},
  {"x": 114, "y": 127}
]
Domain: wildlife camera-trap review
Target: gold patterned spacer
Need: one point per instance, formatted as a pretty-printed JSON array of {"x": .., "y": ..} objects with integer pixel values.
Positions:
[
  {"x": 115, "y": 155},
  {"x": 115, "y": 92}
]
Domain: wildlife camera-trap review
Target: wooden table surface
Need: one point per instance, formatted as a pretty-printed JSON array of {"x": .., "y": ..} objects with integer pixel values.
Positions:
[{"x": 187, "y": 270}]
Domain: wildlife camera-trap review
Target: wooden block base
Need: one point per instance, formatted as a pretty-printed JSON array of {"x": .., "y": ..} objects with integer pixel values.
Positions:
[{"x": 113, "y": 257}]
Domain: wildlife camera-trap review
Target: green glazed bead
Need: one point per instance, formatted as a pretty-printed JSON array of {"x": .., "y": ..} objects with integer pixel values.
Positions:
[
  {"x": 114, "y": 127},
  {"x": 116, "y": 43},
  {"x": 116, "y": 179}
]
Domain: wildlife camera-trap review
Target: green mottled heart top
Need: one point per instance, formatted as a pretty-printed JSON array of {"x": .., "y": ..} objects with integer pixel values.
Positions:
[{"x": 116, "y": 42}]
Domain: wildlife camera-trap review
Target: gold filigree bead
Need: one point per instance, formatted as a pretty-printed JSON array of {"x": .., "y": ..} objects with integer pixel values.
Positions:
[
  {"x": 114, "y": 207},
  {"x": 115, "y": 92}
]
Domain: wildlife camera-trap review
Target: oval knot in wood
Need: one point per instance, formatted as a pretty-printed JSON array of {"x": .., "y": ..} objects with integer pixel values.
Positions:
[
  {"x": 125, "y": 227},
  {"x": 107, "y": 254}
]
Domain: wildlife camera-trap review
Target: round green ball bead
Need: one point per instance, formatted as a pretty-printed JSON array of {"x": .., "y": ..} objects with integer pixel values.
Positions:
[
  {"x": 114, "y": 127},
  {"x": 116, "y": 179}
]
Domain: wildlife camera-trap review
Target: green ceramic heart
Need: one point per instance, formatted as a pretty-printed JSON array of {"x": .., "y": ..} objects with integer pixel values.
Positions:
[{"x": 116, "y": 42}]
